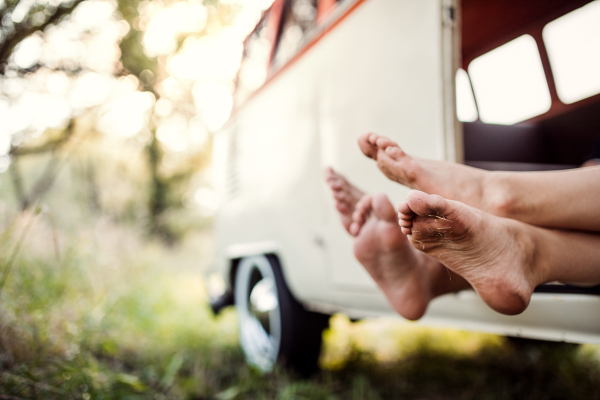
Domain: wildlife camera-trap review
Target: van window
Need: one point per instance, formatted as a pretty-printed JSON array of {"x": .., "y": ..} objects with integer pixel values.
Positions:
[
  {"x": 255, "y": 61},
  {"x": 509, "y": 83},
  {"x": 299, "y": 16},
  {"x": 573, "y": 44},
  {"x": 466, "y": 110}
]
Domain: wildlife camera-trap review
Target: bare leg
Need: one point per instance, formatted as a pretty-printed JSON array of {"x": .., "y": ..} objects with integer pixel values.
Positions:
[
  {"x": 503, "y": 259},
  {"x": 345, "y": 194},
  {"x": 555, "y": 199},
  {"x": 408, "y": 278}
]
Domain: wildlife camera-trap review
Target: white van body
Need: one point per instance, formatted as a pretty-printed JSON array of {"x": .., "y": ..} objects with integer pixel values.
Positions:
[{"x": 385, "y": 66}]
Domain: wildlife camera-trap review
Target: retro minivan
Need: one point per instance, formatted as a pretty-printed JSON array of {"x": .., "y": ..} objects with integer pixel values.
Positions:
[{"x": 495, "y": 84}]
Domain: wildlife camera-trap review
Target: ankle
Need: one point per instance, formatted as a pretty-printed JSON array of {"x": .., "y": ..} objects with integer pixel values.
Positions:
[
  {"x": 440, "y": 278},
  {"x": 499, "y": 198},
  {"x": 528, "y": 240}
]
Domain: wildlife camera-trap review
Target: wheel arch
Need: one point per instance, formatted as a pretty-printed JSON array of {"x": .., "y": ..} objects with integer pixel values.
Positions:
[
  {"x": 235, "y": 253},
  {"x": 235, "y": 262}
]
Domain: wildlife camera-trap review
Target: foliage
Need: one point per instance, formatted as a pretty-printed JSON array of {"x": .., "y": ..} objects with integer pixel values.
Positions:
[
  {"x": 169, "y": 174},
  {"x": 20, "y": 19},
  {"x": 142, "y": 331}
]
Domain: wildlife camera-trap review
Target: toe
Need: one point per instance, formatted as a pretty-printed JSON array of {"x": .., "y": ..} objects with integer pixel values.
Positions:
[
  {"x": 404, "y": 223},
  {"x": 383, "y": 208},
  {"x": 358, "y": 219},
  {"x": 332, "y": 176},
  {"x": 405, "y": 217},
  {"x": 436, "y": 203},
  {"x": 373, "y": 138},
  {"x": 424, "y": 204},
  {"x": 363, "y": 206},
  {"x": 343, "y": 207},
  {"x": 394, "y": 152},
  {"x": 336, "y": 184},
  {"x": 360, "y": 212},
  {"x": 366, "y": 147},
  {"x": 340, "y": 195},
  {"x": 333, "y": 181},
  {"x": 364, "y": 202},
  {"x": 354, "y": 228},
  {"x": 387, "y": 165},
  {"x": 404, "y": 211},
  {"x": 383, "y": 143}
]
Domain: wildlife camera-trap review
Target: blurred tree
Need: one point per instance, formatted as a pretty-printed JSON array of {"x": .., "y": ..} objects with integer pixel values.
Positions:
[
  {"x": 21, "y": 18},
  {"x": 169, "y": 171},
  {"x": 45, "y": 180},
  {"x": 136, "y": 61},
  {"x": 167, "y": 184},
  {"x": 18, "y": 20},
  {"x": 145, "y": 68}
]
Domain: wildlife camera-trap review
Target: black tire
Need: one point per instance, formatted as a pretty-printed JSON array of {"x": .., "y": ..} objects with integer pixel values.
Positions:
[{"x": 294, "y": 334}]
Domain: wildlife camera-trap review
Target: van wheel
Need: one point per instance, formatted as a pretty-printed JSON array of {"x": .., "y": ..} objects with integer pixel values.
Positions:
[{"x": 274, "y": 327}]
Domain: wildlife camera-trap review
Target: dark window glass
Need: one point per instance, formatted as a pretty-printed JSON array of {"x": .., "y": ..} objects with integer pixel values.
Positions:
[{"x": 299, "y": 17}]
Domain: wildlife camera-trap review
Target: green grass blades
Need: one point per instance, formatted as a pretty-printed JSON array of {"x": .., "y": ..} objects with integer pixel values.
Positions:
[{"x": 122, "y": 317}]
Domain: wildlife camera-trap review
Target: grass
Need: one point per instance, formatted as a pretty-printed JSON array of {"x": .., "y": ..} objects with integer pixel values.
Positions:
[
  {"x": 118, "y": 316},
  {"x": 113, "y": 317},
  {"x": 94, "y": 309}
]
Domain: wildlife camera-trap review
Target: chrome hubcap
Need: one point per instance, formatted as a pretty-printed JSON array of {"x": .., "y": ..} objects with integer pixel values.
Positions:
[
  {"x": 257, "y": 306},
  {"x": 263, "y": 300}
]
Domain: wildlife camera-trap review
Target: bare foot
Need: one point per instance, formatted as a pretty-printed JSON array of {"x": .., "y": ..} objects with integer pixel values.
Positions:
[
  {"x": 495, "y": 255},
  {"x": 459, "y": 182},
  {"x": 345, "y": 194},
  {"x": 408, "y": 278}
]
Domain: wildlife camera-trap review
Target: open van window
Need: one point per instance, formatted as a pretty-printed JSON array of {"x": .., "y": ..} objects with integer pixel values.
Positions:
[
  {"x": 466, "y": 109},
  {"x": 509, "y": 83},
  {"x": 573, "y": 43}
]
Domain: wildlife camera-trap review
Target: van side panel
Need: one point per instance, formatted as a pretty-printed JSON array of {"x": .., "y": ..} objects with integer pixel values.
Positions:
[
  {"x": 384, "y": 78},
  {"x": 379, "y": 70}
]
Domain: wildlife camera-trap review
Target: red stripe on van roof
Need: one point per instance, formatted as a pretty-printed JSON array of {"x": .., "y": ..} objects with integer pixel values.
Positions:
[{"x": 303, "y": 51}]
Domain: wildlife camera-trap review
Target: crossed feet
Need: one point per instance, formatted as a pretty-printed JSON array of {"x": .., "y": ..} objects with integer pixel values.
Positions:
[
  {"x": 409, "y": 278},
  {"x": 493, "y": 255}
]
